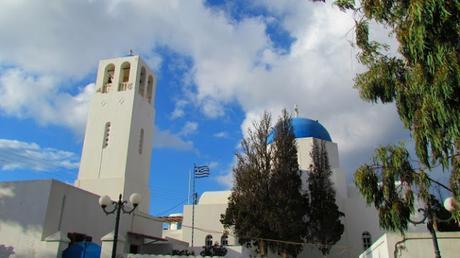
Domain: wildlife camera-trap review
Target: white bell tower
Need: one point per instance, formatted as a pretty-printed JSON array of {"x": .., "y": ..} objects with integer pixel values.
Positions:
[{"x": 118, "y": 138}]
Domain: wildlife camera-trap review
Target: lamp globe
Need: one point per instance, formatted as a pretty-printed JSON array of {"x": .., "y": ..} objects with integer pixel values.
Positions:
[
  {"x": 105, "y": 201},
  {"x": 450, "y": 204},
  {"x": 135, "y": 199}
]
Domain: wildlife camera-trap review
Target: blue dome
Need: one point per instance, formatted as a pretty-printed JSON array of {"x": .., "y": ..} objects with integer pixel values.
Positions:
[{"x": 304, "y": 127}]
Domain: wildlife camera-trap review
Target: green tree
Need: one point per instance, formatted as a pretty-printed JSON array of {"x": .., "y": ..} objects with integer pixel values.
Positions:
[
  {"x": 250, "y": 198},
  {"x": 423, "y": 80},
  {"x": 266, "y": 203},
  {"x": 325, "y": 228},
  {"x": 288, "y": 214}
]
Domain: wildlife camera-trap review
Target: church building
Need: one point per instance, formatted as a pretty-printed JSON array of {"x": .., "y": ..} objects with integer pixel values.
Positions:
[
  {"x": 359, "y": 230},
  {"x": 37, "y": 217},
  {"x": 44, "y": 218}
]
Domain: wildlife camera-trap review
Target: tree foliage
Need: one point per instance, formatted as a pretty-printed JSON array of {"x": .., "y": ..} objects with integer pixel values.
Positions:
[
  {"x": 266, "y": 202},
  {"x": 423, "y": 80},
  {"x": 325, "y": 228},
  {"x": 250, "y": 198},
  {"x": 287, "y": 216}
]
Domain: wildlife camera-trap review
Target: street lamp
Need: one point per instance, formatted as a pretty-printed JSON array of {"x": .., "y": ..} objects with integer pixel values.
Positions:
[
  {"x": 450, "y": 204},
  {"x": 105, "y": 201}
]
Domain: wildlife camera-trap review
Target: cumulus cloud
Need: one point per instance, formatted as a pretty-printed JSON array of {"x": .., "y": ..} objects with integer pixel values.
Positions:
[
  {"x": 25, "y": 155},
  {"x": 225, "y": 178},
  {"x": 232, "y": 61},
  {"x": 189, "y": 128},
  {"x": 24, "y": 95},
  {"x": 178, "y": 111}
]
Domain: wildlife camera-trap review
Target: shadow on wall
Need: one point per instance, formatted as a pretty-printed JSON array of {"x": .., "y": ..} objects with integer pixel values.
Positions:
[{"x": 24, "y": 206}]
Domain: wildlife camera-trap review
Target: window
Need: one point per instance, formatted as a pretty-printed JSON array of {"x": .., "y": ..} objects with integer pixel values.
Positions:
[
  {"x": 108, "y": 78},
  {"x": 224, "y": 240},
  {"x": 105, "y": 141},
  {"x": 150, "y": 89},
  {"x": 367, "y": 241},
  {"x": 142, "y": 82},
  {"x": 124, "y": 76},
  {"x": 208, "y": 241},
  {"x": 141, "y": 141}
]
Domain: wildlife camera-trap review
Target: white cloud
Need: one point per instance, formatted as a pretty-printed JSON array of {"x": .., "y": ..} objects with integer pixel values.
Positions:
[
  {"x": 167, "y": 139},
  {"x": 27, "y": 96},
  {"x": 179, "y": 109},
  {"x": 229, "y": 61},
  {"x": 189, "y": 128},
  {"x": 24, "y": 155},
  {"x": 213, "y": 165},
  {"x": 226, "y": 180},
  {"x": 221, "y": 134},
  {"x": 226, "y": 177}
]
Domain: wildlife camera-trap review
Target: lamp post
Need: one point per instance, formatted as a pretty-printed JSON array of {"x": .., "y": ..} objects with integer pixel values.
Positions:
[
  {"x": 450, "y": 205},
  {"x": 118, "y": 206}
]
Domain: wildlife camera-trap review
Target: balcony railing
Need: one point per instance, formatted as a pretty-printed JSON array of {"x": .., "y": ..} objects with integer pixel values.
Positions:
[{"x": 125, "y": 86}]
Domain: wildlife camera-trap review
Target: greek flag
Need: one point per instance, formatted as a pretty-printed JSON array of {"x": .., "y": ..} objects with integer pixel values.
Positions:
[{"x": 201, "y": 171}]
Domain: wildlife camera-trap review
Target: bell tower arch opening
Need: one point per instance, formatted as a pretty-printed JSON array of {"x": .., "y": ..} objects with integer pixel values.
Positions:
[{"x": 125, "y": 70}]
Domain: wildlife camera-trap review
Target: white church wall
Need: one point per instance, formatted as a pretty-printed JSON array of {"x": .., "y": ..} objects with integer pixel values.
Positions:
[
  {"x": 33, "y": 213},
  {"x": 22, "y": 214},
  {"x": 74, "y": 210},
  {"x": 207, "y": 222},
  {"x": 145, "y": 224},
  {"x": 304, "y": 147},
  {"x": 414, "y": 245},
  {"x": 359, "y": 217}
]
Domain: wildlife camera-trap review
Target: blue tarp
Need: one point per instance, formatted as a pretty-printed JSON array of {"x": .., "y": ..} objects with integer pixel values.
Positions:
[{"x": 82, "y": 250}]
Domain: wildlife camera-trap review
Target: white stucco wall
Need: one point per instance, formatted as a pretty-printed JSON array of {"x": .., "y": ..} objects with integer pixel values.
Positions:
[
  {"x": 207, "y": 222},
  {"x": 22, "y": 215},
  {"x": 416, "y": 245},
  {"x": 33, "y": 214}
]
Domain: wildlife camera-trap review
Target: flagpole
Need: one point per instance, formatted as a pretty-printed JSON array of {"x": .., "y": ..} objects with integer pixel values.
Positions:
[
  {"x": 193, "y": 202},
  {"x": 189, "y": 182},
  {"x": 197, "y": 172}
]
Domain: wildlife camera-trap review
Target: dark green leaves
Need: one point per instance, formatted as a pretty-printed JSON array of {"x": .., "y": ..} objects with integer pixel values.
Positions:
[{"x": 423, "y": 80}]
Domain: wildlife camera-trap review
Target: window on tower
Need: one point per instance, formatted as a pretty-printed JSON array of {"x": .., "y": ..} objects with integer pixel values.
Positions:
[
  {"x": 142, "y": 82},
  {"x": 124, "y": 76},
  {"x": 105, "y": 141},
  {"x": 141, "y": 141},
  {"x": 150, "y": 89},
  {"x": 108, "y": 78}
]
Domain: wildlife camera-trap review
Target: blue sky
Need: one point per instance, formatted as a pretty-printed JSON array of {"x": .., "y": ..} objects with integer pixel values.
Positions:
[{"x": 219, "y": 65}]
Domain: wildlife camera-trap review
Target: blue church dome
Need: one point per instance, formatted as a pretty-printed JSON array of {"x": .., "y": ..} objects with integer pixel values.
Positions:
[{"x": 304, "y": 127}]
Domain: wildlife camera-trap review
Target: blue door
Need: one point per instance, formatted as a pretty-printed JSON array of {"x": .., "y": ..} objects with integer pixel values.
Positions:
[{"x": 82, "y": 250}]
